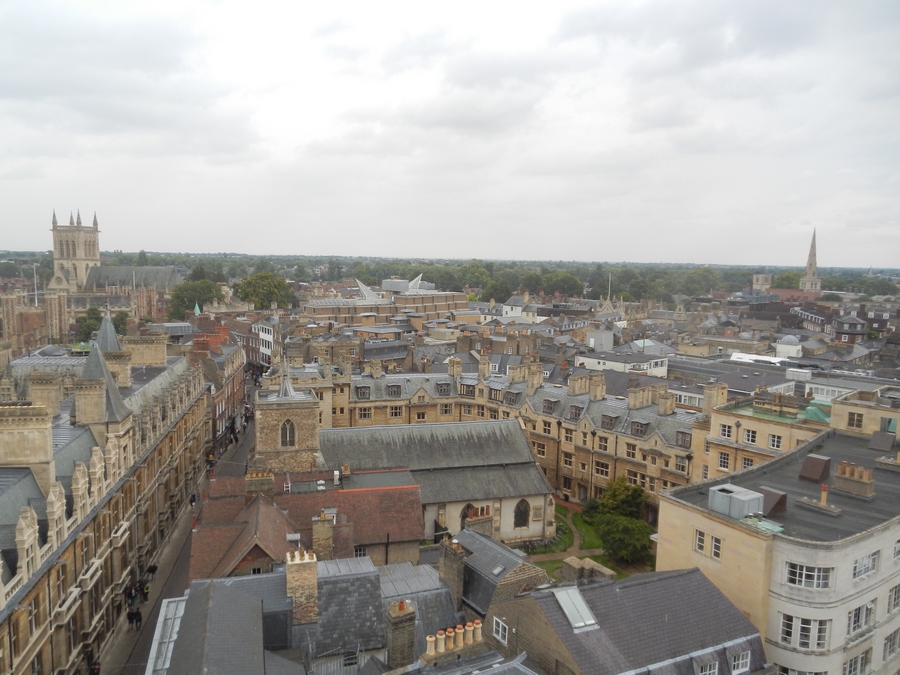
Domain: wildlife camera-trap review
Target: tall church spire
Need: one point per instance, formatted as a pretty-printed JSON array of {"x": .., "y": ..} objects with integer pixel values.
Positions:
[
  {"x": 54, "y": 223},
  {"x": 810, "y": 280},
  {"x": 811, "y": 260},
  {"x": 95, "y": 221}
]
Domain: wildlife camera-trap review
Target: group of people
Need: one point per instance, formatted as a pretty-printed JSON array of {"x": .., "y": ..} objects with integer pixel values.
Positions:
[{"x": 138, "y": 593}]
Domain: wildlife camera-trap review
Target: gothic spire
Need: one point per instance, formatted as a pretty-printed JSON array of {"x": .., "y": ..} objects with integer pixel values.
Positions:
[
  {"x": 71, "y": 220},
  {"x": 78, "y": 218},
  {"x": 54, "y": 218},
  {"x": 811, "y": 261},
  {"x": 95, "y": 220}
]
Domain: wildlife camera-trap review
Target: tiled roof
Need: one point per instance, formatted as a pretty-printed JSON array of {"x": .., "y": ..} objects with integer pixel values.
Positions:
[{"x": 655, "y": 623}]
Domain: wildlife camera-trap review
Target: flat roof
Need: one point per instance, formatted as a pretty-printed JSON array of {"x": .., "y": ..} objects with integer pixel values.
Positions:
[{"x": 783, "y": 474}]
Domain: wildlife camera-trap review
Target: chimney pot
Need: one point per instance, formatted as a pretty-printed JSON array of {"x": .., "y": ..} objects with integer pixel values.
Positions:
[
  {"x": 429, "y": 641},
  {"x": 459, "y": 636},
  {"x": 824, "y": 499},
  {"x": 401, "y": 606},
  {"x": 477, "y": 630},
  {"x": 440, "y": 641}
]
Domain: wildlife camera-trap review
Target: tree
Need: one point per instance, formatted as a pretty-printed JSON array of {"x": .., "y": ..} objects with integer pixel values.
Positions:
[
  {"x": 496, "y": 290},
  {"x": 625, "y": 539},
  {"x": 90, "y": 324},
  {"x": 197, "y": 273},
  {"x": 265, "y": 288},
  {"x": 186, "y": 295},
  {"x": 623, "y": 499},
  {"x": 120, "y": 321},
  {"x": 787, "y": 280},
  {"x": 8, "y": 269},
  {"x": 142, "y": 259}
]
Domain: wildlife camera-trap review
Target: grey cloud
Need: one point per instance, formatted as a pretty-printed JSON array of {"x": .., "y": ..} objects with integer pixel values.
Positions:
[
  {"x": 130, "y": 82},
  {"x": 420, "y": 51}
]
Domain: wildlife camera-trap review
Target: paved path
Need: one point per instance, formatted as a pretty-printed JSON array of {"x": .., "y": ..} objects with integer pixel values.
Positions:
[{"x": 575, "y": 549}]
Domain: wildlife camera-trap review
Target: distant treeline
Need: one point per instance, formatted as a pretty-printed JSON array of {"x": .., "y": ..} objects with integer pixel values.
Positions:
[{"x": 496, "y": 279}]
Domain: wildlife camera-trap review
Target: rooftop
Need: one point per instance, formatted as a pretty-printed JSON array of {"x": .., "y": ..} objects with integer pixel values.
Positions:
[{"x": 783, "y": 474}]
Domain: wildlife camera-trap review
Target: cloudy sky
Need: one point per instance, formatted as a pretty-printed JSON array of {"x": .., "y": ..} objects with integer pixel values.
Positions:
[{"x": 677, "y": 131}]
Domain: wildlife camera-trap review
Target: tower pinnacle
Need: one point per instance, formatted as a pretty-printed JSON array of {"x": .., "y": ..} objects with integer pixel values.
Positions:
[{"x": 810, "y": 280}]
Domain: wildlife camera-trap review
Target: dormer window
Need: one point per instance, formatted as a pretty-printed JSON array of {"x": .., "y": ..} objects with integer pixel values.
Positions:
[
  {"x": 467, "y": 390},
  {"x": 510, "y": 398},
  {"x": 683, "y": 439},
  {"x": 608, "y": 422},
  {"x": 575, "y": 412},
  {"x": 549, "y": 405},
  {"x": 362, "y": 393},
  {"x": 496, "y": 395},
  {"x": 443, "y": 388},
  {"x": 638, "y": 428},
  {"x": 393, "y": 390}
]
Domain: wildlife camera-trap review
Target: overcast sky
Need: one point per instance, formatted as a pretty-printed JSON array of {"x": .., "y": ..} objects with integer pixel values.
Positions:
[{"x": 660, "y": 131}]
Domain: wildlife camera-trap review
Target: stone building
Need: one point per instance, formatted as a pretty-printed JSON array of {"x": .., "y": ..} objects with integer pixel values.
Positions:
[{"x": 91, "y": 485}]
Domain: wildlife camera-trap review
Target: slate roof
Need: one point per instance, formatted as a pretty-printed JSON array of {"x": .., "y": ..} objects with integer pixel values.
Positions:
[
  {"x": 350, "y": 609},
  {"x": 441, "y": 457},
  {"x": 221, "y": 631},
  {"x": 427, "y": 446},
  {"x": 409, "y": 384},
  {"x": 487, "y": 564},
  {"x": 95, "y": 368},
  {"x": 107, "y": 339},
  {"x": 18, "y": 488},
  {"x": 160, "y": 278},
  {"x": 430, "y": 597},
  {"x": 664, "y": 622}
]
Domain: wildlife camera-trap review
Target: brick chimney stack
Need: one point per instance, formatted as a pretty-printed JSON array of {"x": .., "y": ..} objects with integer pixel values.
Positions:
[
  {"x": 302, "y": 585},
  {"x": 323, "y": 536},
  {"x": 401, "y": 634}
]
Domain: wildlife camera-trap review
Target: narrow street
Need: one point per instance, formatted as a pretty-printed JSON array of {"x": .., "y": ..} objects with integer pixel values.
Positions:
[{"x": 127, "y": 652}]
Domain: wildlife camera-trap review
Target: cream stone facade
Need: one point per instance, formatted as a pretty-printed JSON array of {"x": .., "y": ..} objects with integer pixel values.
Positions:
[{"x": 807, "y": 546}]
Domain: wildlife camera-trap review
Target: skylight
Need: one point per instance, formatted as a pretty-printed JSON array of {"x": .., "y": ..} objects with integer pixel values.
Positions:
[{"x": 574, "y": 607}]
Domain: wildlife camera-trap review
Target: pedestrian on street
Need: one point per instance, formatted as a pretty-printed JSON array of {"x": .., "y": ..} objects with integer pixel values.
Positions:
[
  {"x": 152, "y": 571},
  {"x": 95, "y": 667},
  {"x": 132, "y": 596},
  {"x": 130, "y": 619},
  {"x": 138, "y": 619},
  {"x": 193, "y": 499},
  {"x": 145, "y": 591}
]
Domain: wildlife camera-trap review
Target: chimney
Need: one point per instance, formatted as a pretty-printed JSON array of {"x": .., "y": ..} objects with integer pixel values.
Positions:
[
  {"x": 579, "y": 384},
  {"x": 454, "y": 367},
  {"x": 518, "y": 373},
  {"x": 854, "y": 480},
  {"x": 597, "y": 385},
  {"x": 491, "y": 304},
  {"x": 535, "y": 377},
  {"x": 666, "y": 404},
  {"x": 201, "y": 345},
  {"x": 458, "y": 632},
  {"x": 441, "y": 642},
  {"x": 823, "y": 499},
  {"x": 214, "y": 340},
  {"x": 222, "y": 332},
  {"x": 525, "y": 298},
  {"x": 375, "y": 369},
  {"x": 401, "y": 634},
  {"x": 637, "y": 398},
  {"x": 714, "y": 394},
  {"x": 477, "y": 630},
  {"x": 301, "y": 580},
  {"x": 451, "y": 568},
  {"x": 484, "y": 367},
  {"x": 323, "y": 536}
]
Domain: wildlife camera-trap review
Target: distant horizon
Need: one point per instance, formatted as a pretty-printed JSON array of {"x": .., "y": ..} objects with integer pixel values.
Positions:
[{"x": 435, "y": 260}]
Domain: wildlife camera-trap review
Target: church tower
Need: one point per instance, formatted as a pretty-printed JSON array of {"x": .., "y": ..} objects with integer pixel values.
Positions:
[
  {"x": 810, "y": 280},
  {"x": 76, "y": 249}
]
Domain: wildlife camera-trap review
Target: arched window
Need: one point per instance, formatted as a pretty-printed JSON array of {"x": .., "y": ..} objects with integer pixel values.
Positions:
[
  {"x": 287, "y": 434},
  {"x": 522, "y": 514},
  {"x": 468, "y": 511}
]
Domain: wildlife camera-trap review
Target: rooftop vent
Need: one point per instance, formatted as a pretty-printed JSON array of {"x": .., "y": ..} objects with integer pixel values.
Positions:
[
  {"x": 816, "y": 468},
  {"x": 734, "y": 502},
  {"x": 774, "y": 501}
]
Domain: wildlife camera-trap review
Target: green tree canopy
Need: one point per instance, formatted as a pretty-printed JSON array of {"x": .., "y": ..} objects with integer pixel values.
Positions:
[
  {"x": 787, "y": 280},
  {"x": 90, "y": 324},
  {"x": 142, "y": 259},
  {"x": 623, "y": 499},
  {"x": 8, "y": 269},
  {"x": 265, "y": 288},
  {"x": 120, "y": 322},
  {"x": 186, "y": 295},
  {"x": 625, "y": 539}
]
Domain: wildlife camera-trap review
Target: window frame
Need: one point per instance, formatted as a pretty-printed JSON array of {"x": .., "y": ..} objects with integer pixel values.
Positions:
[
  {"x": 808, "y": 576},
  {"x": 500, "y": 631}
]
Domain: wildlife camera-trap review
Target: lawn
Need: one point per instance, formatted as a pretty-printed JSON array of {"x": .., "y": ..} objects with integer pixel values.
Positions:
[
  {"x": 550, "y": 567},
  {"x": 589, "y": 537},
  {"x": 562, "y": 511}
]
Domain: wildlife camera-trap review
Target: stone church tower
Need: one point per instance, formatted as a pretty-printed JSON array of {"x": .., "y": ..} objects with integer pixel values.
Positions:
[
  {"x": 810, "y": 280},
  {"x": 76, "y": 249}
]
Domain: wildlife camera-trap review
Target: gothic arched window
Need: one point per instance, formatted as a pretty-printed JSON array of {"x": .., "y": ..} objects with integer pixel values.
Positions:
[
  {"x": 287, "y": 434},
  {"x": 522, "y": 513}
]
